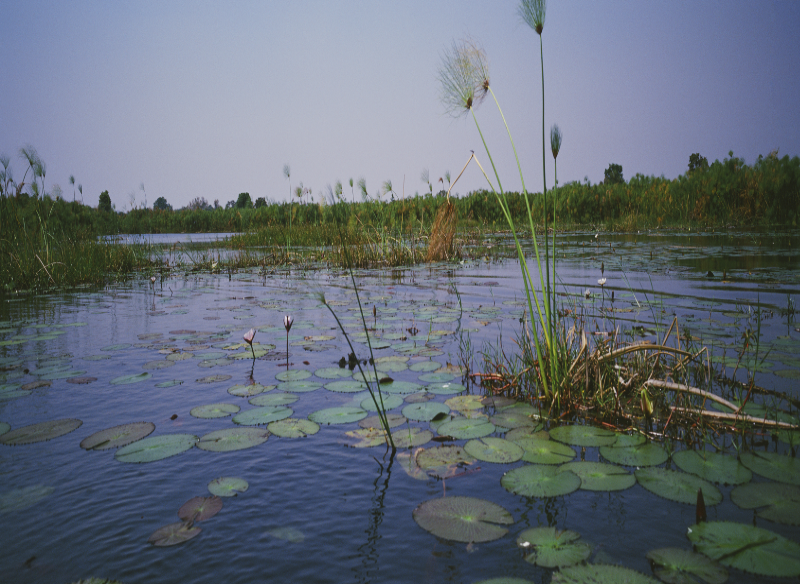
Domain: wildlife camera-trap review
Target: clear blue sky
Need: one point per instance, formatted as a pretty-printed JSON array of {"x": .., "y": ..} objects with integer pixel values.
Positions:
[{"x": 210, "y": 99}]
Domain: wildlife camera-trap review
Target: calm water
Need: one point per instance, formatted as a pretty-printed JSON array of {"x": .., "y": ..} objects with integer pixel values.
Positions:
[{"x": 351, "y": 506}]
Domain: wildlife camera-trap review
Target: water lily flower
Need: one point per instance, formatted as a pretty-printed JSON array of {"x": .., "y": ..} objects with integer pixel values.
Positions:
[
  {"x": 588, "y": 293},
  {"x": 287, "y": 322},
  {"x": 152, "y": 279},
  {"x": 248, "y": 337},
  {"x": 601, "y": 281}
]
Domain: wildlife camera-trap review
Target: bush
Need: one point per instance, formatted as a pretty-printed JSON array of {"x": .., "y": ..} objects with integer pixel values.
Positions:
[{"x": 613, "y": 174}]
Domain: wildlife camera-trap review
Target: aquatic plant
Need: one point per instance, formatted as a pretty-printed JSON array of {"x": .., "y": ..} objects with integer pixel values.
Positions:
[
  {"x": 248, "y": 338},
  {"x": 287, "y": 324}
]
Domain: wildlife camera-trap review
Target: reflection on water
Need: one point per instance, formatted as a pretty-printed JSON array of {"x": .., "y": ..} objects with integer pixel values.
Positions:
[{"x": 352, "y": 506}]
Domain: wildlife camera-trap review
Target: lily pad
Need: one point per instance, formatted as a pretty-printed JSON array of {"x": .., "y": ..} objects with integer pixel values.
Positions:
[
  {"x": 4, "y": 427},
  {"x": 170, "y": 383},
  {"x": 389, "y": 402},
  {"x": 594, "y": 573},
  {"x": 466, "y": 428},
  {"x": 118, "y": 436},
  {"x": 776, "y": 467},
  {"x": 262, "y": 415},
  {"x": 540, "y": 451},
  {"x": 230, "y": 439},
  {"x": 200, "y": 508},
  {"x": 249, "y": 390},
  {"x": 512, "y": 420},
  {"x": 446, "y": 388},
  {"x": 465, "y": 403},
  {"x": 599, "y": 476},
  {"x": 21, "y": 499},
  {"x": 214, "y": 411},
  {"x": 291, "y": 534},
  {"x": 227, "y": 486},
  {"x": 425, "y": 366},
  {"x": 677, "y": 486},
  {"x": 442, "y": 456},
  {"x": 367, "y": 437},
  {"x": 393, "y": 420},
  {"x": 293, "y": 428},
  {"x": 340, "y": 415},
  {"x": 156, "y": 448},
  {"x": 425, "y": 411},
  {"x": 679, "y": 566},
  {"x": 213, "y": 378},
  {"x": 437, "y": 377},
  {"x": 346, "y": 386},
  {"x": 747, "y": 548},
  {"x": 411, "y": 437},
  {"x": 400, "y": 387},
  {"x": 583, "y": 435},
  {"x": 274, "y": 399},
  {"x": 780, "y": 502},
  {"x": 537, "y": 480},
  {"x": 83, "y": 380},
  {"x": 129, "y": 379},
  {"x": 549, "y": 547},
  {"x": 293, "y": 375},
  {"x": 302, "y": 386},
  {"x": 491, "y": 449},
  {"x": 712, "y": 466},
  {"x": 463, "y": 519},
  {"x": 173, "y": 534},
  {"x": 650, "y": 454},
  {"x": 333, "y": 373},
  {"x": 40, "y": 432}
]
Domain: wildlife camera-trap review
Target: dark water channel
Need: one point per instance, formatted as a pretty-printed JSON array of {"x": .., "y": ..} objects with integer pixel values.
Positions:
[{"x": 317, "y": 509}]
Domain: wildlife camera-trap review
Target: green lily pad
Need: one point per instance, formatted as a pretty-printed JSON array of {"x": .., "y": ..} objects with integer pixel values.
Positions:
[
  {"x": 549, "y": 547},
  {"x": 230, "y": 439},
  {"x": 118, "y": 436},
  {"x": 442, "y": 456},
  {"x": 170, "y": 383},
  {"x": 391, "y": 364},
  {"x": 249, "y": 390},
  {"x": 262, "y": 415},
  {"x": 340, "y": 415},
  {"x": 627, "y": 440},
  {"x": 40, "y": 432},
  {"x": 776, "y": 467},
  {"x": 466, "y": 428},
  {"x": 781, "y": 502},
  {"x": 227, "y": 486},
  {"x": 539, "y": 451},
  {"x": 274, "y": 399},
  {"x": 513, "y": 420},
  {"x": 156, "y": 448},
  {"x": 173, "y": 534},
  {"x": 302, "y": 386},
  {"x": 200, "y": 508},
  {"x": 21, "y": 499},
  {"x": 293, "y": 428},
  {"x": 747, "y": 548},
  {"x": 64, "y": 374},
  {"x": 583, "y": 435},
  {"x": 389, "y": 402},
  {"x": 446, "y": 388},
  {"x": 400, "y": 387},
  {"x": 650, "y": 454},
  {"x": 333, "y": 373},
  {"x": 594, "y": 573},
  {"x": 679, "y": 566},
  {"x": 117, "y": 347},
  {"x": 437, "y": 377},
  {"x": 537, "y": 480},
  {"x": 425, "y": 366},
  {"x": 677, "y": 486},
  {"x": 4, "y": 427},
  {"x": 712, "y": 466},
  {"x": 129, "y": 379},
  {"x": 214, "y": 411},
  {"x": 411, "y": 437},
  {"x": 491, "y": 449},
  {"x": 293, "y": 375},
  {"x": 463, "y": 519},
  {"x": 425, "y": 411},
  {"x": 158, "y": 364},
  {"x": 599, "y": 476},
  {"x": 346, "y": 386}
]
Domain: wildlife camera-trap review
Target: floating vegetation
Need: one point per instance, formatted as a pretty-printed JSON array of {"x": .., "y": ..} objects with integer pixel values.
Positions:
[
  {"x": 118, "y": 436},
  {"x": 464, "y": 519},
  {"x": 230, "y": 439},
  {"x": 156, "y": 448},
  {"x": 712, "y": 466},
  {"x": 537, "y": 480},
  {"x": 774, "y": 501},
  {"x": 592, "y": 573},
  {"x": 677, "y": 565},
  {"x": 549, "y": 547},
  {"x": 227, "y": 486},
  {"x": 40, "y": 432},
  {"x": 21, "y": 499},
  {"x": 599, "y": 476},
  {"x": 173, "y": 534},
  {"x": 677, "y": 486}
]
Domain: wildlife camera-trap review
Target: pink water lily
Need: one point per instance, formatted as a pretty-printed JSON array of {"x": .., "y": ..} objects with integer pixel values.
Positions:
[{"x": 248, "y": 337}]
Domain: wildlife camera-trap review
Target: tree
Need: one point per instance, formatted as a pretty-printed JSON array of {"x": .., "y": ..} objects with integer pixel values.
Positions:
[
  {"x": 198, "y": 204},
  {"x": 244, "y": 201},
  {"x": 230, "y": 204},
  {"x": 697, "y": 162},
  {"x": 613, "y": 174},
  {"x": 261, "y": 202},
  {"x": 162, "y": 205},
  {"x": 105, "y": 202}
]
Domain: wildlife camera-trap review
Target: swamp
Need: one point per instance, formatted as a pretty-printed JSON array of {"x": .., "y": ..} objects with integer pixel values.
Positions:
[{"x": 145, "y": 439}]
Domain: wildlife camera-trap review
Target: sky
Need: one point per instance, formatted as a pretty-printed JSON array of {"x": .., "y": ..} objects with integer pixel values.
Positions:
[{"x": 210, "y": 99}]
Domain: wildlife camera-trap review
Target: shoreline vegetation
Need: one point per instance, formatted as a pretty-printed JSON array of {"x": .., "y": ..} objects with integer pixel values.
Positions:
[{"x": 48, "y": 242}]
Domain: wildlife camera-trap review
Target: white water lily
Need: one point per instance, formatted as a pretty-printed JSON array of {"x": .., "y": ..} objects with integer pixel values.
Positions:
[
  {"x": 601, "y": 281},
  {"x": 287, "y": 322}
]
